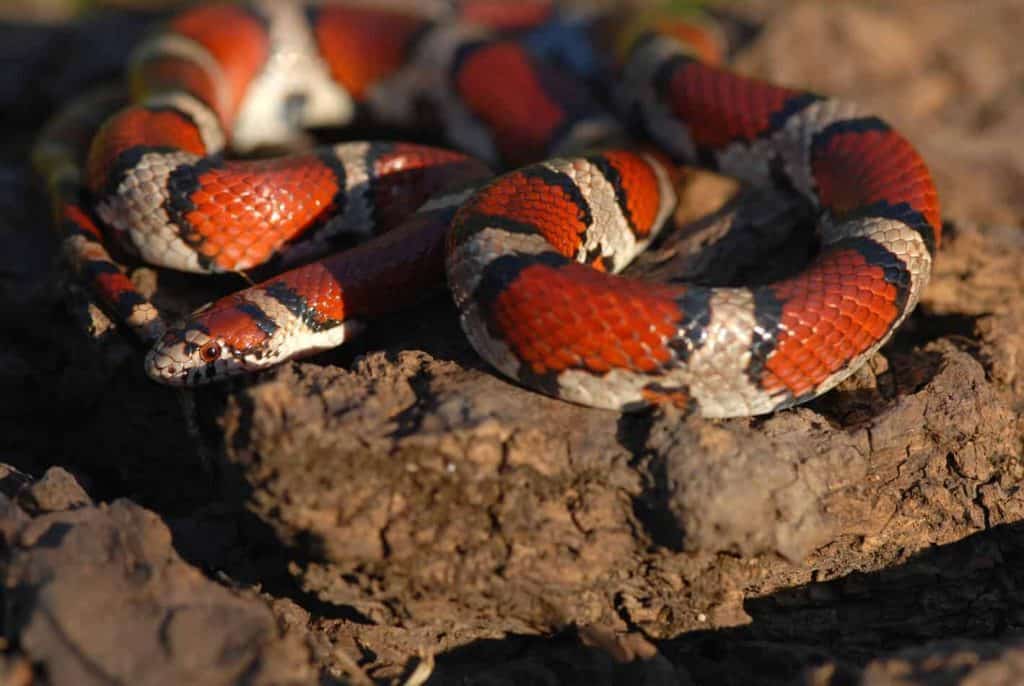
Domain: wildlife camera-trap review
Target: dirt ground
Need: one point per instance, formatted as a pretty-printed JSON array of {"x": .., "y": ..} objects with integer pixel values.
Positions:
[{"x": 395, "y": 510}]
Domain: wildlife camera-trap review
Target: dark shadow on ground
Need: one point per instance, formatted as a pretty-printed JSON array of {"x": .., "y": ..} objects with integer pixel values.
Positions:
[{"x": 970, "y": 589}]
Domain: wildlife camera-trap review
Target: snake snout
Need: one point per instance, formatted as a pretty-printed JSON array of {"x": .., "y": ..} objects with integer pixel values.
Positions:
[{"x": 164, "y": 369}]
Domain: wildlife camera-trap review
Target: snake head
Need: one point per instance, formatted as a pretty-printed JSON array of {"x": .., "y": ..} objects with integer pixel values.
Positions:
[
  {"x": 242, "y": 333},
  {"x": 189, "y": 356},
  {"x": 217, "y": 341}
]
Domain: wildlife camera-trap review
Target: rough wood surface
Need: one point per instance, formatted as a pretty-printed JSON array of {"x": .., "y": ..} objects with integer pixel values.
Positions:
[{"x": 395, "y": 508}]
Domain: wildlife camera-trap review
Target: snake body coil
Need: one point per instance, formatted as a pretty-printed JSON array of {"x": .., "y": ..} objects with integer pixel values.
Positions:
[{"x": 530, "y": 256}]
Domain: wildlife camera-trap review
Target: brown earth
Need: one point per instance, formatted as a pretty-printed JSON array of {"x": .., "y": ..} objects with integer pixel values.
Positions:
[{"x": 395, "y": 509}]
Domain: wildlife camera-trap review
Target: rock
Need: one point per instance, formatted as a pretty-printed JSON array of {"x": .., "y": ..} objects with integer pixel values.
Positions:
[
  {"x": 97, "y": 595},
  {"x": 56, "y": 491}
]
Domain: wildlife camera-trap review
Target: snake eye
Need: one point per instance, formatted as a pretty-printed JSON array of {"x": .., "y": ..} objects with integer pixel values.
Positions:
[{"x": 210, "y": 352}]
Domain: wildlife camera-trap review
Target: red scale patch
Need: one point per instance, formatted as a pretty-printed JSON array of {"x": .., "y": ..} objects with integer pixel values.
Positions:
[
  {"x": 133, "y": 127},
  {"x": 81, "y": 220},
  {"x": 860, "y": 168},
  {"x": 720, "y": 107},
  {"x": 363, "y": 46},
  {"x": 227, "y": 319},
  {"x": 640, "y": 184},
  {"x": 501, "y": 86},
  {"x": 407, "y": 264},
  {"x": 406, "y": 176},
  {"x": 505, "y": 15},
  {"x": 572, "y": 316},
  {"x": 113, "y": 285},
  {"x": 321, "y": 291},
  {"x": 235, "y": 38},
  {"x": 245, "y": 211},
  {"x": 833, "y": 312},
  {"x": 531, "y": 200},
  {"x": 381, "y": 276}
]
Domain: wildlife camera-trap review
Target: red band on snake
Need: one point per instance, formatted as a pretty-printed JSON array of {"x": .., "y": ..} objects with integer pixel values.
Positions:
[{"x": 531, "y": 257}]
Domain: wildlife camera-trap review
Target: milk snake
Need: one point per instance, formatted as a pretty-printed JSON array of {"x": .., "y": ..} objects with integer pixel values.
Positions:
[{"x": 530, "y": 255}]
